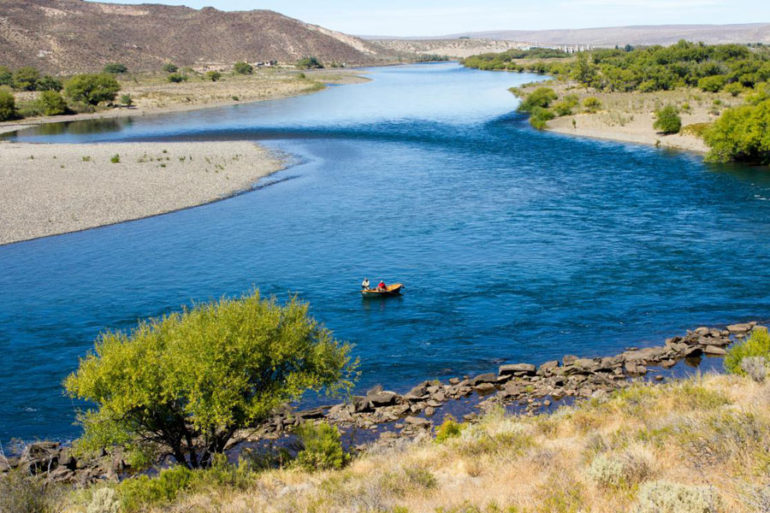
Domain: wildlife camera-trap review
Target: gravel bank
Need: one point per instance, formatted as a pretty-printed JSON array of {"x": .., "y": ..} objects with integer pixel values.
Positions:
[{"x": 60, "y": 188}]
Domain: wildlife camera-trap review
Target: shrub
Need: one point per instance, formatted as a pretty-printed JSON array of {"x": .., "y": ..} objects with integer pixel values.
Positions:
[
  {"x": 137, "y": 492},
  {"x": 615, "y": 472},
  {"x": 226, "y": 365},
  {"x": 737, "y": 135},
  {"x": 21, "y": 492},
  {"x": 540, "y": 97},
  {"x": 6, "y": 76},
  {"x": 51, "y": 103},
  {"x": 713, "y": 83},
  {"x": 243, "y": 68},
  {"x": 450, "y": 428},
  {"x": 592, "y": 104},
  {"x": 92, "y": 89},
  {"x": 322, "y": 447},
  {"x": 667, "y": 497},
  {"x": 309, "y": 62},
  {"x": 539, "y": 117},
  {"x": 104, "y": 500},
  {"x": 115, "y": 68},
  {"x": 177, "y": 78},
  {"x": 48, "y": 83},
  {"x": 667, "y": 120},
  {"x": 734, "y": 88},
  {"x": 7, "y": 106},
  {"x": 213, "y": 75},
  {"x": 126, "y": 100},
  {"x": 755, "y": 367},
  {"x": 562, "y": 108},
  {"x": 115, "y": 159},
  {"x": 696, "y": 129},
  {"x": 170, "y": 68},
  {"x": 757, "y": 345},
  {"x": 25, "y": 78}
]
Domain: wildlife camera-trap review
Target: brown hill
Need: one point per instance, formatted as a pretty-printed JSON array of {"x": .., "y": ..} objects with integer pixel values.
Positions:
[{"x": 74, "y": 36}]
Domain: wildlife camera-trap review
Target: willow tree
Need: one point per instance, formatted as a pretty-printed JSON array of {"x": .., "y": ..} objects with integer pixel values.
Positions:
[{"x": 190, "y": 380}]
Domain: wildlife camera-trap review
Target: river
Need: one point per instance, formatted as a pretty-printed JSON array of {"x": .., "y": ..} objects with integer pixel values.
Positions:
[{"x": 514, "y": 245}]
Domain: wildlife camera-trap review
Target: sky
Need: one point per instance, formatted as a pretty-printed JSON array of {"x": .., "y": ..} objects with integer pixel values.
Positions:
[{"x": 440, "y": 17}]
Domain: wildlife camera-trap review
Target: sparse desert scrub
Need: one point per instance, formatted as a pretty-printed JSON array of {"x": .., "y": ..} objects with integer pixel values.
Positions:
[{"x": 693, "y": 445}]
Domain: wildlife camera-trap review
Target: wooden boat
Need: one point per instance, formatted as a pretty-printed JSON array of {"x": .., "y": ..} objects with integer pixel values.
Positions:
[{"x": 390, "y": 290}]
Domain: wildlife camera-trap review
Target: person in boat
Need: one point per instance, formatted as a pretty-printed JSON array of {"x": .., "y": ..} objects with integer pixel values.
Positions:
[
  {"x": 381, "y": 285},
  {"x": 365, "y": 284}
]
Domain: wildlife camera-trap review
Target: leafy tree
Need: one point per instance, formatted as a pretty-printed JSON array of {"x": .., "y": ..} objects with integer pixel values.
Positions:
[
  {"x": 243, "y": 68},
  {"x": 48, "y": 83},
  {"x": 190, "y": 380},
  {"x": 540, "y": 97},
  {"x": 6, "y": 77},
  {"x": 115, "y": 68},
  {"x": 213, "y": 75},
  {"x": 667, "y": 120},
  {"x": 25, "y": 78},
  {"x": 584, "y": 71},
  {"x": 170, "y": 68},
  {"x": 309, "y": 62},
  {"x": 51, "y": 103},
  {"x": 7, "y": 106},
  {"x": 742, "y": 134},
  {"x": 92, "y": 89}
]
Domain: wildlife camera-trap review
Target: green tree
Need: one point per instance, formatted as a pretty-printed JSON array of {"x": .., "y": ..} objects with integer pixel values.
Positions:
[
  {"x": 176, "y": 78},
  {"x": 243, "y": 68},
  {"x": 713, "y": 83},
  {"x": 92, "y": 89},
  {"x": 51, "y": 103},
  {"x": 190, "y": 380},
  {"x": 667, "y": 120},
  {"x": 25, "y": 78},
  {"x": 584, "y": 71},
  {"x": 170, "y": 68},
  {"x": 309, "y": 62},
  {"x": 741, "y": 134},
  {"x": 48, "y": 83},
  {"x": 6, "y": 76},
  {"x": 213, "y": 75},
  {"x": 540, "y": 97},
  {"x": 7, "y": 106},
  {"x": 115, "y": 68}
]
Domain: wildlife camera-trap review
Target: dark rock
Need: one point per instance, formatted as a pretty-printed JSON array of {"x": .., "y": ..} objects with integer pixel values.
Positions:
[
  {"x": 518, "y": 369},
  {"x": 417, "y": 421},
  {"x": 484, "y": 388},
  {"x": 635, "y": 369},
  {"x": 715, "y": 351},
  {"x": 484, "y": 378},
  {"x": 429, "y": 411},
  {"x": 315, "y": 413},
  {"x": 361, "y": 404},
  {"x": 383, "y": 398},
  {"x": 547, "y": 368},
  {"x": 585, "y": 365}
]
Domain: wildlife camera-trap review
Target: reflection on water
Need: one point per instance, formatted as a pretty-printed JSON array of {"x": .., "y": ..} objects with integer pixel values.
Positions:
[{"x": 514, "y": 245}]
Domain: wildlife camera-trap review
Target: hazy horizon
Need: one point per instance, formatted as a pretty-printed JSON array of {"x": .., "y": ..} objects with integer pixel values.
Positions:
[{"x": 403, "y": 18}]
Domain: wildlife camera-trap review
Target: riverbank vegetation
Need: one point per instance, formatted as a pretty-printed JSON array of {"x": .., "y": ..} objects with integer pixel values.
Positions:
[{"x": 733, "y": 77}]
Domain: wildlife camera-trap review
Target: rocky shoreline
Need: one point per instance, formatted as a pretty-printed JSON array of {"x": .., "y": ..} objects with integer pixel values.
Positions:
[{"x": 388, "y": 416}]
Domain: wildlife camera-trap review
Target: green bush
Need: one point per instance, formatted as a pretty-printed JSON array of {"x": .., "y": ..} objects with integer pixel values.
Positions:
[
  {"x": 177, "y": 78},
  {"x": 104, "y": 500},
  {"x": 226, "y": 365},
  {"x": 741, "y": 134},
  {"x": 592, "y": 104},
  {"x": 21, "y": 492},
  {"x": 539, "y": 117},
  {"x": 6, "y": 76},
  {"x": 309, "y": 62},
  {"x": 626, "y": 470},
  {"x": 756, "y": 345},
  {"x": 115, "y": 68},
  {"x": 7, "y": 106},
  {"x": 125, "y": 99},
  {"x": 713, "y": 83},
  {"x": 450, "y": 428},
  {"x": 115, "y": 159},
  {"x": 48, "y": 83},
  {"x": 138, "y": 492},
  {"x": 51, "y": 103},
  {"x": 243, "y": 68},
  {"x": 696, "y": 129},
  {"x": 213, "y": 75},
  {"x": 667, "y": 120},
  {"x": 25, "y": 78},
  {"x": 667, "y": 497},
  {"x": 170, "y": 68},
  {"x": 734, "y": 88},
  {"x": 322, "y": 447},
  {"x": 92, "y": 89},
  {"x": 540, "y": 97}
]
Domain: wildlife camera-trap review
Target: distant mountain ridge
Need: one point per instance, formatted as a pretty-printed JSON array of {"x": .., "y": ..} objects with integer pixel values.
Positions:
[
  {"x": 76, "y": 36},
  {"x": 611, "y": 36}
]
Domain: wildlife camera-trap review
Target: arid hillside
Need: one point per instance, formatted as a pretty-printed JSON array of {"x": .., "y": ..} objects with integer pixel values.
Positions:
[{"x": 76, "y": 36}]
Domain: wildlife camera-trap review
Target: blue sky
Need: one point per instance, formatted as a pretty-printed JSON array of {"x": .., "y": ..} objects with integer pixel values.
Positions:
[{"x": 436, "y": 17}]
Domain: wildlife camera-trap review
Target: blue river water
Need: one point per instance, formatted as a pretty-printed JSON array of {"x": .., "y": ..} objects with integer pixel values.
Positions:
[{"x": 514, "y": 245}]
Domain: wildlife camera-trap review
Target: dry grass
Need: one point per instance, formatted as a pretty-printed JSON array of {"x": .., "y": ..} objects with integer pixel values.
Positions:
[{"x": 702, "y": 441}]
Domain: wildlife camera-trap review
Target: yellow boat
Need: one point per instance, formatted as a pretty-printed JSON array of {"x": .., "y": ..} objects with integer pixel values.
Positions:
[{"x": 389, "y": 290}]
